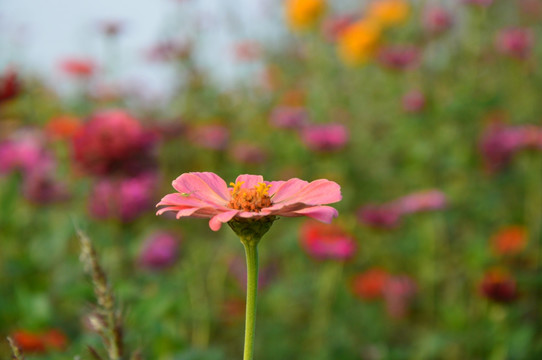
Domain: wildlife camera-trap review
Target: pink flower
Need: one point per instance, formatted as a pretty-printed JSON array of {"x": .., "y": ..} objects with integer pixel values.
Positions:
[
  {"x": 124, "y": 199},
  {"x": 515, "y": 42},
  {"x": 437, "y": 20},
  {"x": 246, "y": 153},
  {"x": 213, "y": 137},
  {"x": 413, "y": 101},
  {"x": 398, "y": 293},
  {"x": 78, "y": 67},
  {"x": 206, "y": 195},
  {"x": 379, "y": 216},
  {"x": 325, "y": 137},
  {"x": 170, "y": 50},
  {"x": 113, "y": 141},
  {"x": 327, "y": 241},
  {"x": 399, "y": 57},
  {"x": 289, "y": 117},
  {"x": 24, "y": 152},
  {"x": 427, "y": 200},
  {"x": 160, "y": 251},
  {"x": 9, "y": 85}
]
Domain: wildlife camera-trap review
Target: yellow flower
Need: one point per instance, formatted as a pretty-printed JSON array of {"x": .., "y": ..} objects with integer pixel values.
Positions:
[
  {"x": 389, "y": 12},
  {"x": 359, "y": 42},
  {"x": 302, "y": 14}
]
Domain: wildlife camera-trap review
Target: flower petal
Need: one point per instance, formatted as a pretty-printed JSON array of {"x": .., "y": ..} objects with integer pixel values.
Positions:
[
  {"x": 287, "y": 189},
  {"x": 250, "y": 181},
  {"x": 205, "y": 186},
  {"x": 321, "y": 213},
  {"x": 317, "y": 192},
  {"x": 216, "y": 221}
]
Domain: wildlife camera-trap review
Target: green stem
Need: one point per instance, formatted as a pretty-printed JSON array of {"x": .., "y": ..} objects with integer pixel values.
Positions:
[{"x": 251, "y": 251}]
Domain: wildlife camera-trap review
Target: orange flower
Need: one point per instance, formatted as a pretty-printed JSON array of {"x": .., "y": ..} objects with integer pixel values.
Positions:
[
  {"x": 302, "y": 14},
  {"x": 63, "y": 127},
  {"x": 509, "y": 240},
  {"x": 29, "y": 342},
  {"x": 370, "y": 284},
  {"x": 389, "y": 12},
  {"x": 359, "y": 42}
]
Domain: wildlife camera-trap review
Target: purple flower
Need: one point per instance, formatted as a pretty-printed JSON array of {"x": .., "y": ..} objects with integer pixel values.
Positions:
[
  {"x": 413, "y": 101},
  {"x": 123, "y": 199},
  {"x": 160, "y": 251},
  {"x": 289, "y": 117},
  {"x": 515, "y": 42},
  {"x": 325, "y": 137}
]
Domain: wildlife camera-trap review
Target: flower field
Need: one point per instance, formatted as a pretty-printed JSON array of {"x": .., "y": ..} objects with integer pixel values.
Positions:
[{"x": 400, "y": 216}]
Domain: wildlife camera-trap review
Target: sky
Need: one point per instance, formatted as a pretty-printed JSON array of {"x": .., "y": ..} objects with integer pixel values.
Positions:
[{"x": 38, "y": 34}]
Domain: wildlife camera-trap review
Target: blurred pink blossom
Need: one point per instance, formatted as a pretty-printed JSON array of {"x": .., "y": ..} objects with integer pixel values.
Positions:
[
  {"x": 437, "y": 20},
  {"x": 427, "y": 200},
  {"x": 78, "y": 67},
  {"x": 379, "y": 216},
  {"x": 399, "y": 57},
  {"x": 160, "y": 251},
  {"x": 326, "y": 241},
  {"x": 247, "y": 153},
  {"x": 214, "y": 137},
  {"x": 399, "y": 291},
  {"x": 170, "y": 50},
  {"x": 413, "y": 101},
  {"x": 289, "y": 117},
  {"x": 124, "y": 199},
  {"x": 515, "y": 42},
  {"x": 325, "y": 137},
  {"x": 25, "y": 151}
]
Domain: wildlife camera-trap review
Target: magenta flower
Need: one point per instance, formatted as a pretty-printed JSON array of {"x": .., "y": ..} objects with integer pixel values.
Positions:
[
  {"x": 206, "y": 195},
  {"x": 327, "y": 241},
  {"x": 515, "y": 42},
  {"x": 160, "y": 251},
  {"x": 325, "y": 137},
  {"x": 413, "y": 101},
  {"x": 124, "y": 199},
  {"x": 437, "y": 20},
  {"x": 113, "y": 141},
  {"x": 399, "y": 57},
  {"x": 427, "y": 200},
  {"x": 289, "y": 117}
]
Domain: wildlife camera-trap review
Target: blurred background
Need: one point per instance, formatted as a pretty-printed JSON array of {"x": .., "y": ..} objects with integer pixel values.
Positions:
[{"x": 427, "y": 113}]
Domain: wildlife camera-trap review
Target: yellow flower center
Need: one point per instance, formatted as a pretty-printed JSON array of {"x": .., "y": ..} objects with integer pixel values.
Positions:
[{"x": 253, "y": 200}]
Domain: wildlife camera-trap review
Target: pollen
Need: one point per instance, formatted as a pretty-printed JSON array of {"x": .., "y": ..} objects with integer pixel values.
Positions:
[{"x": 253, "y": 200}]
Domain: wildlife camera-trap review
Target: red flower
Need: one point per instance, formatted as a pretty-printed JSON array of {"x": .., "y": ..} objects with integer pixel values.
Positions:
[
  {"x": 82, "y": 68},
  {"x": 370, "y": 284},
  {"x": 39, "y": 343},
  {"x": 497, "y": 285},
  {"x": 9, "y": 85}
]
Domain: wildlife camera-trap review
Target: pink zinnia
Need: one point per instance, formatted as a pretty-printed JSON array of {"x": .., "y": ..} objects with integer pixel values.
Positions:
[
  {"x": 206, "y": 195},
  {"x": 379, "y": 216},
  {"x": 325, "y": 137},
  {"x": 515, "y": 42},
  {"x": 327, "y": 241},
  {"x": 289, "y": 117},
  {"x": 427, "y": 200}
]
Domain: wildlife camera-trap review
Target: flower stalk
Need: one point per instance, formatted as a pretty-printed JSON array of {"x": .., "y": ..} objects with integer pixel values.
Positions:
[{"x": 251, "y": 252}]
